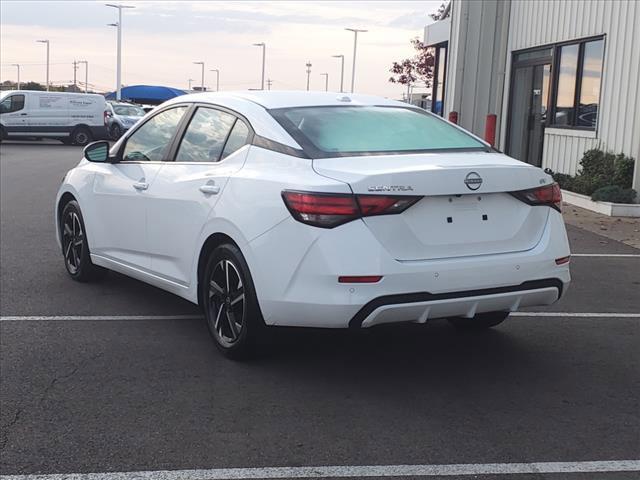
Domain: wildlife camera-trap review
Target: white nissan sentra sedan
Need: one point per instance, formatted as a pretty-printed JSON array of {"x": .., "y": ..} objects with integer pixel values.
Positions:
[{"x": 315, "y": 210}]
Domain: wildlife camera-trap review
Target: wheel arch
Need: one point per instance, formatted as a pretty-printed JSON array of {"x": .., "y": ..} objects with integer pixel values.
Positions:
[
  {"x": 65, "y": 198},
  {"x": 210, "y": 244}
]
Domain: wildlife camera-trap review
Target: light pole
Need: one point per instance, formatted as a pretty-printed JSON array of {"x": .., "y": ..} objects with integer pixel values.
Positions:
[
  {"x": 308, "y": 74},
  {"x": 326, "y": 81},
  {"x": 341, "y": 57},
  {"x": 17, "y": 65},
  {"x": 264, "y": 48},
  {"x": 355, "y": 46},
  {"x": 47, "y": 42},
  {"x": 202, "y": 77},
  {"x": 190, "y": 80},
  {"x": 217, "y": 78},
  {"x": 86, "y": 74},
  {"x": 119, "y": 59}
]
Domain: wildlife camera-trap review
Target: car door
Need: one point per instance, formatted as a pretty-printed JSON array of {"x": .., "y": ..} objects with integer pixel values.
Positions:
[
  {"x": 14, "y": 114},
  {"x": 187, "y": 189},
  {"x": 120, "y": 190}
]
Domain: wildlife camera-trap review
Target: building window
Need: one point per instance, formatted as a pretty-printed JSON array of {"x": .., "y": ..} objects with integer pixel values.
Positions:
[
  {"x": 439, "y": 78},
  {"x": 577, "y": 93}
]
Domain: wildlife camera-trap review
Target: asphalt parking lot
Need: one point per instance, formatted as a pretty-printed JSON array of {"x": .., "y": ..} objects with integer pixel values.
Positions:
[{"x": 122, "y": 377}]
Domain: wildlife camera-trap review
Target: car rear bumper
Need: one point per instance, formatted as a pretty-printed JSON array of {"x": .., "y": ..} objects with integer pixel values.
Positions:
[{"x": 296, "y": 270}]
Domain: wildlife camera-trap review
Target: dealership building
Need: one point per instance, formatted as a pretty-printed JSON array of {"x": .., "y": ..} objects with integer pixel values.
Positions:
[{"x": 561, "y": 76}]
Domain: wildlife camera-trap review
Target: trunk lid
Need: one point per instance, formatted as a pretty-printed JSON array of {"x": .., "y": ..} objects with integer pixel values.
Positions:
[{"x": 466, "y": 209}]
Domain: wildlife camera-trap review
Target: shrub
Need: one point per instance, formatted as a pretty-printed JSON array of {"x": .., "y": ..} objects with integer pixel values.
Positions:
[
  {"x": 615, "y": 194},
  {"x": 623, "y": 171}
]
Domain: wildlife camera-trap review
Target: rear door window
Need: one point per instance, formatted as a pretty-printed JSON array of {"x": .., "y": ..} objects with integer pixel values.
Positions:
[
  {"x": 205, "y": 137},
  {"x": 238, "y": 138}
]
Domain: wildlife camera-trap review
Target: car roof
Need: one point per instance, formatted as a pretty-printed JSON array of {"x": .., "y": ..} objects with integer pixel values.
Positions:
[{"x": 288, "y": 99}]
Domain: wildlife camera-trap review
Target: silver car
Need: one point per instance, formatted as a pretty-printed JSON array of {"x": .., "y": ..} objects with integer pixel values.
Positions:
[{"x": 121, "y": 117}]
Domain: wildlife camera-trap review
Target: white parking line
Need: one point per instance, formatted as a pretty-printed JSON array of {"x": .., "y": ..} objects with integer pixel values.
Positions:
[
  {"x": 124, "y": 318},
  {"x": 613, "y": 255},
  {"x": 351, "y": 471}
]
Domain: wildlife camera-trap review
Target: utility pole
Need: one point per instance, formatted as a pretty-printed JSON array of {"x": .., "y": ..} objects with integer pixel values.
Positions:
[
  {"x": 355, "y": 46},
  {"x": 75, "y": 69},
  {"x": 269, "y": 82},
  {"x": 308, "y": 73},
  {"x": 18, "y": 66},
  {"x": 119, "y": 55},
  {"x": 86, "y": 74},
  {"x": 202, "y": 78},
  {"x": 341, "y": 57},
  {"x": 326, "y": 81},
  {"x": 47, "y": 42},
  {"x": 264, "y": 48},
  {"x": 217, "y": 78}
]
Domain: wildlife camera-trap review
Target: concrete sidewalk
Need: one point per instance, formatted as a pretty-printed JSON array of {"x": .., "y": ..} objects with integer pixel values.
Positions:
[{"x": 622, "y": 229}]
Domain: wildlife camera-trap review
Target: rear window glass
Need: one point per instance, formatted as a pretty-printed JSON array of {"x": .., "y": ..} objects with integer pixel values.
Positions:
[
  {"x": 350, "y": 130},
  {"x": 128, "y": 110}
]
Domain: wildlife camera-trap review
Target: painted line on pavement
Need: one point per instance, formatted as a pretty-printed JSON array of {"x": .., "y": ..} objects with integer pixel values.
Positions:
[
  {"x": 124, "y": 318},
  {"x": 351, "y": 471},
  {"x": 613, "y": 255}
]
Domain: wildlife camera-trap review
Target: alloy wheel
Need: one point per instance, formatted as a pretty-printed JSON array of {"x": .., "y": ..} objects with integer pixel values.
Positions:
[
  {"x": 72, "y": 242},
  {"x": 226, "y": 302}
]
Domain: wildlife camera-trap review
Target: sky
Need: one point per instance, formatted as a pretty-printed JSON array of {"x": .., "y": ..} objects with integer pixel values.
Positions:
[{"x": 161, "y": 40}]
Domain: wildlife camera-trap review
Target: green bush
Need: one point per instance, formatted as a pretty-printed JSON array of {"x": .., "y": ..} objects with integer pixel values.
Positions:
[
  {"x": 601, "y": 170},
  {"x": 615, "y": 194}
]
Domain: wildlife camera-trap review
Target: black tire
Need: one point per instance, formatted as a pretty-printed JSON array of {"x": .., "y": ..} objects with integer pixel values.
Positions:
[
  {"x": 481, "y": 321},
  {"x": 75, "y": 249},
  {"x": 115, "y": 132},
  {"x": 81, "y": 136},
  {"x": 230, "y": 303}
]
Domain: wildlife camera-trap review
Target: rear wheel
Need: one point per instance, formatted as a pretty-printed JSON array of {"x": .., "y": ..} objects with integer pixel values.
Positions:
[
  {"x": 81, "y": 136},
  {"x": 230, "y": 303},
  {"x": 75, "y": 247},
  {"x": 481, "y": 321}
]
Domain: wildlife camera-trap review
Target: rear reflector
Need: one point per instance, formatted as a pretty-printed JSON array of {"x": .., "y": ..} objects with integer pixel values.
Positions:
[
  {"x": 360, "y": 279},
  {"x": 549, "y": 195},
  {"x": 563, "y": 260},
  {"x": 328, "y": 210}
]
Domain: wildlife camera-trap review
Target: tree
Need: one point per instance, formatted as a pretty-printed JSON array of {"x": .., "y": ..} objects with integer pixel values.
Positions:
[{"x": 417, "y": 69}]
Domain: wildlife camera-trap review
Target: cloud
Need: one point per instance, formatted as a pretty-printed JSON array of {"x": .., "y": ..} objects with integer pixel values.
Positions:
[{"x": 417, "y": 19}]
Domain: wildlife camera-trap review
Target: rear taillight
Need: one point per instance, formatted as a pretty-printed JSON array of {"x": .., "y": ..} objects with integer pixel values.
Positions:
[
  {"x": 105, "y": 117},
  {"x": 549, "y": 195},
  {"x": 328, "y": 210}
]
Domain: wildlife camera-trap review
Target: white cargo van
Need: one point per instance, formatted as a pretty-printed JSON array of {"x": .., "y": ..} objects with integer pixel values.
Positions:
[{"x": 73, "y": 118}]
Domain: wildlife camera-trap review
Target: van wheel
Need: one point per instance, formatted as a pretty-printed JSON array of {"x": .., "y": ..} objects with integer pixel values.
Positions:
[
  {"x": 230, "y": 303},
  {"x": 480, "y": 321},
  {"x": 81, "y": 136},
  {"x": 115, "y": 132}
]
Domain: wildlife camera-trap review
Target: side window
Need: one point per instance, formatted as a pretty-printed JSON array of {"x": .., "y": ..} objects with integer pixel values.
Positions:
[
  {"x": 237, "y": 138},
  {"x": 12, "y": 103},
  {"x": 151, "y": 142},
  {"x": 204, "y": 138}
]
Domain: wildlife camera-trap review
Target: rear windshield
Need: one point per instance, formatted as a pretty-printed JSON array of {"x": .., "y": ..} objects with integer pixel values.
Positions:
[{"x": 366, "y": 130}]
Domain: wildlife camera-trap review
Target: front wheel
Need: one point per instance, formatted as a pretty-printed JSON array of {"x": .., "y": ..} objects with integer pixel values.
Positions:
[
  {"x": 75, "y": 247},
  {"x": 230, "y": 303},
  {"x": 480, "y": 321}
]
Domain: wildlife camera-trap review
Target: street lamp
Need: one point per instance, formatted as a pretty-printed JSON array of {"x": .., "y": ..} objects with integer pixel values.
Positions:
[
  {"x": 86, "y": 74},
  {"x": 17, "y": 65},
  {"x": 217, "y": 78},
  {"x": 119, "y": 56},
  {"x": 190, "y": 80},
  {"x": 341, "y": 57},
  {"x": 47, "y": 42},
  {"x": 355, "y": 46},
  {"x": 308, "y": 74},
  {"x": 326, "y": 81},
  {"x": 264, "y": 48},
  {"x": 202, "y": 77}
]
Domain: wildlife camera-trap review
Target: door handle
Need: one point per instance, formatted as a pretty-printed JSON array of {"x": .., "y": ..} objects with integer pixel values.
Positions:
[
  {"x": 209, "y": 189},
  {"x": 140, "y": 186}
]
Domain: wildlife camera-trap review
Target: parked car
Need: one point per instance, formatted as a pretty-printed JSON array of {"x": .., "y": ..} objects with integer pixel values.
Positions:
[
  {"x": 121, "y": 117},
  {"x": 73, "y": 118},
  {"x": 315, "y": 210}
]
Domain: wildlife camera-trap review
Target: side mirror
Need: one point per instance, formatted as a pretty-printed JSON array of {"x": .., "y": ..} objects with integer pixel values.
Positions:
[{"x": 97, "y": 151}]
